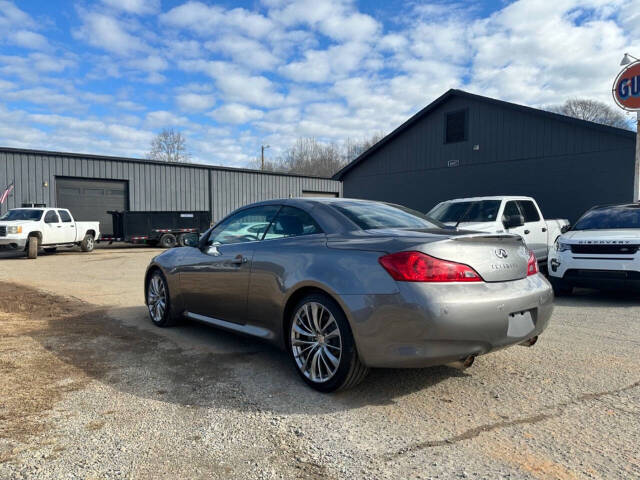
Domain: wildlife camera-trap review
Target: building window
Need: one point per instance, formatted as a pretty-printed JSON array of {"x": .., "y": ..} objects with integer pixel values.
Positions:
[{"x": 455, "y": 127}]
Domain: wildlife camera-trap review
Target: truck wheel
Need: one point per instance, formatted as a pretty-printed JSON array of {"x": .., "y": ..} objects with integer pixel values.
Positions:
[
  {"x": 181, "y": 241},
  {"x": 168, "y": 240},
  {"x": 32, "y": 248},
  {"x": 50, "y": 250},
  {"x": 88, "y": 243}
]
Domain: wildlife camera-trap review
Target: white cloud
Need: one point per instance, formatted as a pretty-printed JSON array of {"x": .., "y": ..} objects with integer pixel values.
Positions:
[
  {"x": 164, "y": 119},
  {"x": 213, "y": 20},
  {"x": 244, "y": 51},
  {"x": 235, "y": 84},
  {"x": 138, "y": 7},
  {"x": 195, "y": 102},
  {"x": 236, "y": 113},
  {"x": 151, "y": 63},
  {"x": 108, "y": 33},
  {"x": 28, "y": 39}
]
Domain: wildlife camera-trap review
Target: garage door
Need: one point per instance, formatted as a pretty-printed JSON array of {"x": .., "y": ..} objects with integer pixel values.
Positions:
[
  {"x": 90, "y": 200},
  {"x": 307, "y": 193}
]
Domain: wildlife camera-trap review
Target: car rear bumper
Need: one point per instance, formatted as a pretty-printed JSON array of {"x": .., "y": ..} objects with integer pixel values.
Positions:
[{"x": 433, "y": 324}]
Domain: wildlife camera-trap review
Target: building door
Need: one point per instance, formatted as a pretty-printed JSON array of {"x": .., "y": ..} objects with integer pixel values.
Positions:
[{"x": 90, "y": 200}]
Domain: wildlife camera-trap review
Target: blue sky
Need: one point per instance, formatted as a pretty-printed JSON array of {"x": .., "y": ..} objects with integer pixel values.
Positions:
[{"x": 105, "y": 76}]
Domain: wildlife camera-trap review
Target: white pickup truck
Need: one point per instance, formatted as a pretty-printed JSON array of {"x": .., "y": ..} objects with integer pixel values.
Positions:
[
  {"x": 520, "y": 215},
  {"x": 50, "y": 228}
]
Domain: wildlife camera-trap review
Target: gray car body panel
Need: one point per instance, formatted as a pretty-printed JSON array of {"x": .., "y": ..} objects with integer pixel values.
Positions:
[{"x": 395, "y": 324}]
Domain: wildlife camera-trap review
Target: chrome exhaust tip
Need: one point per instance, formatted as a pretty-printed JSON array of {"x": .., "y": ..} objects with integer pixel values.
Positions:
[
  {"x": 530, "y": 342},
  {"x": 463, "y": 363}
]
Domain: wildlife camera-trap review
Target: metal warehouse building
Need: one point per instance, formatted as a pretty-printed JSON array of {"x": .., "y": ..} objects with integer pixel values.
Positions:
[
  {"x": 465, "y": 145},
  {"x": 91, "y": 185}
]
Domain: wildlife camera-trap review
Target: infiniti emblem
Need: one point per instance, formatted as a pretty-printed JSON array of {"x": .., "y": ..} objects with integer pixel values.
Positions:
[{"x": 500, "y": 253}]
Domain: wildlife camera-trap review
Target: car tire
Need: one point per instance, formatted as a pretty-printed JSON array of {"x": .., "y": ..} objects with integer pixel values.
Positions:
[
  {"x": 168, "y": 240},
  {"x": 181, "y": 242},
  {"x": 50, "y": 250},
  {"x": 560, "y": 287},
  {"x": 158, "y": 300},
  {"x": 32, "y": 247},
  {"x": 325, "y": 360},
  {"x": 88, "y": 243}
]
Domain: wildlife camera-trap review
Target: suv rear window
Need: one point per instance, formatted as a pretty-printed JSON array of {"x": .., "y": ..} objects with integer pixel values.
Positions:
[{"x": 627, "y": 216}]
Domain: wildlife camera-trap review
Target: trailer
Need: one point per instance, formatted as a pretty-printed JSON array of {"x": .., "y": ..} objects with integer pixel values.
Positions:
[{"x": 166, "y": 229}]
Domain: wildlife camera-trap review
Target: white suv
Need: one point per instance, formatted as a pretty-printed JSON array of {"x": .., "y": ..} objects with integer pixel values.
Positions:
[{"x": 602, "y": 250}]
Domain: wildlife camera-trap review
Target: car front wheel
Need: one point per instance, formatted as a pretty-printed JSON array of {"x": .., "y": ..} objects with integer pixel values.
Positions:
[
  {"x": 322, "y": 347},
  {"x": 159, "y": 301}
]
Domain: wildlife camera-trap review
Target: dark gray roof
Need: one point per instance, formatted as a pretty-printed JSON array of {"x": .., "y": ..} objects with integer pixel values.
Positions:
[
  {"x": 460, "y": 93},
  {"x": 145, "y": 161}
]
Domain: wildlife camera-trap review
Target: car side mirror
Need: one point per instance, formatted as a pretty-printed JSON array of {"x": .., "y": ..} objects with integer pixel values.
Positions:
[
  {"x": 191, "y": 239},
  {"x": 513, "y": 221},
  {"x": 565, "y": 228}
]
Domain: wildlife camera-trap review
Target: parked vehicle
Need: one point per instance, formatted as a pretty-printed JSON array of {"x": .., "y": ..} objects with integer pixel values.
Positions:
[
  {"x": 50, "y": 228},
  {"x": 519, "y": 215},
  {"x": 600, "y": 251},
  {"x": 166, "y": 229},
  {"x": 344, "y": 285}
]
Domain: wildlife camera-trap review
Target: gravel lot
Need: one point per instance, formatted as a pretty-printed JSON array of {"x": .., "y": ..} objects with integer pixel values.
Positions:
[{"x": 90, "y": 389}]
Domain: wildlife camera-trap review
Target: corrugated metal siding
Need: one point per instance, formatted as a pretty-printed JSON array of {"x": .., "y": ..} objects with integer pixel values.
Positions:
[
  {"x": 567, "y": 168},
  {"x": 152, "y": 186},
  {"x": 231, "y": 190}
]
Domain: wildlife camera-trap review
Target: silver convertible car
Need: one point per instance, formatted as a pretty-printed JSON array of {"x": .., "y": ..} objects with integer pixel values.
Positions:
[{"x": 345, "y": 285}]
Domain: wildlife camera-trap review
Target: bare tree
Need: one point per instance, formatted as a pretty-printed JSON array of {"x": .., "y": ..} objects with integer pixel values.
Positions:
[
  {"x": 353, "y": 148},
  {"x": 308, "y": 156},
  {"x": 169, "y": 146},
  {"x": 591, "y": 110}
]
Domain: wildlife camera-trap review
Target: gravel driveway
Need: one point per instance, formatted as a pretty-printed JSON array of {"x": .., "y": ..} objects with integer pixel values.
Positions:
[{"x": 91, "y": 390}]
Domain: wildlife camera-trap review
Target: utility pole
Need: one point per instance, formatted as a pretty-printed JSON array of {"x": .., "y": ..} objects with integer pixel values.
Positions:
[{"x": 262, "y": 149}]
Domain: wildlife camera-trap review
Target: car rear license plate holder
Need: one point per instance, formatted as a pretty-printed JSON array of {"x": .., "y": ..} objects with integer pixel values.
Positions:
[{"x": 521, "y": 323}]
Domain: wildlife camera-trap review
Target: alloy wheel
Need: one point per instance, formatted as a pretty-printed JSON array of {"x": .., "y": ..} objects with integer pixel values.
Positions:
[
  {"x": 156, "y": 298},
  {"x": 316, "y": 342}
]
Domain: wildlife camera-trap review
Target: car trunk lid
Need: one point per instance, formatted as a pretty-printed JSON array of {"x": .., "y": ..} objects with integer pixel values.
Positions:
[{"x": 496, "y": 257}]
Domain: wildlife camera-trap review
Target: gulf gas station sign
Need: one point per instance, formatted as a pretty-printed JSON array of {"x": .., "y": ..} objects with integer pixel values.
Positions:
[{"x": 626, "y": 88}]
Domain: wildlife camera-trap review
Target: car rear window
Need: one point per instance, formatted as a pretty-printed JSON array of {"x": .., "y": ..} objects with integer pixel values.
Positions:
[
  {"x": 375, "y": 215},
  {"x": 476, "y": 211},
  {"x": 610, "y": 218}
]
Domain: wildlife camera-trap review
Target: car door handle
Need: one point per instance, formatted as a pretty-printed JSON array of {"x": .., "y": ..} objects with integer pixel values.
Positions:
[
  {"x": 544, "y": 229},
  {"x": 527, "y": 232},
  {"x": 59, "y": 226},
  {"x": 239, "y": 260}
]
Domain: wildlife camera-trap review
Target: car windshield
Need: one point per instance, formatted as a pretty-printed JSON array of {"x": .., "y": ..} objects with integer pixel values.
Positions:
[
  {"x": 471, "y": 211},
  {"x": 627, "y": 216},
  {"x": 22, "y": 215},
  {"x": 375, "y": 215}
]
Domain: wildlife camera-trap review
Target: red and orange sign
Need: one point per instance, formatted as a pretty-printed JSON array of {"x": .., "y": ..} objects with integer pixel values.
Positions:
[{"x": 626, "y": 88}]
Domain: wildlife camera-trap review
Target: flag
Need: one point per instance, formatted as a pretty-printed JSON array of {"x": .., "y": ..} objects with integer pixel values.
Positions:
[{"x": 6, "y": 193}]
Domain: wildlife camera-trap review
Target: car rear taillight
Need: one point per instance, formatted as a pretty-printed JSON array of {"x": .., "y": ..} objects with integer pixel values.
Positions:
[
  {"x": 418, "y": 267},
  {"x": 532, "y": 264}
]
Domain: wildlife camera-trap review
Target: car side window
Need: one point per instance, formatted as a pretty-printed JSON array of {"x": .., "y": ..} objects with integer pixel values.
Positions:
[
  {"x": 510, "y": 209},
  {"x": 292, "y": 222},
  {"x": 64, "y": 216},
  {"x": 51, "y": 217},
  {"x": 529, "y": 211},
  {"x": 245, "y": 226}
]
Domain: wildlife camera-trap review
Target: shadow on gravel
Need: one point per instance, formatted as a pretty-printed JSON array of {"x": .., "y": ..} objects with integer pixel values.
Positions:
[
  {"x": 582, "y": 298},
  {"x": 191, "y": 365}
]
